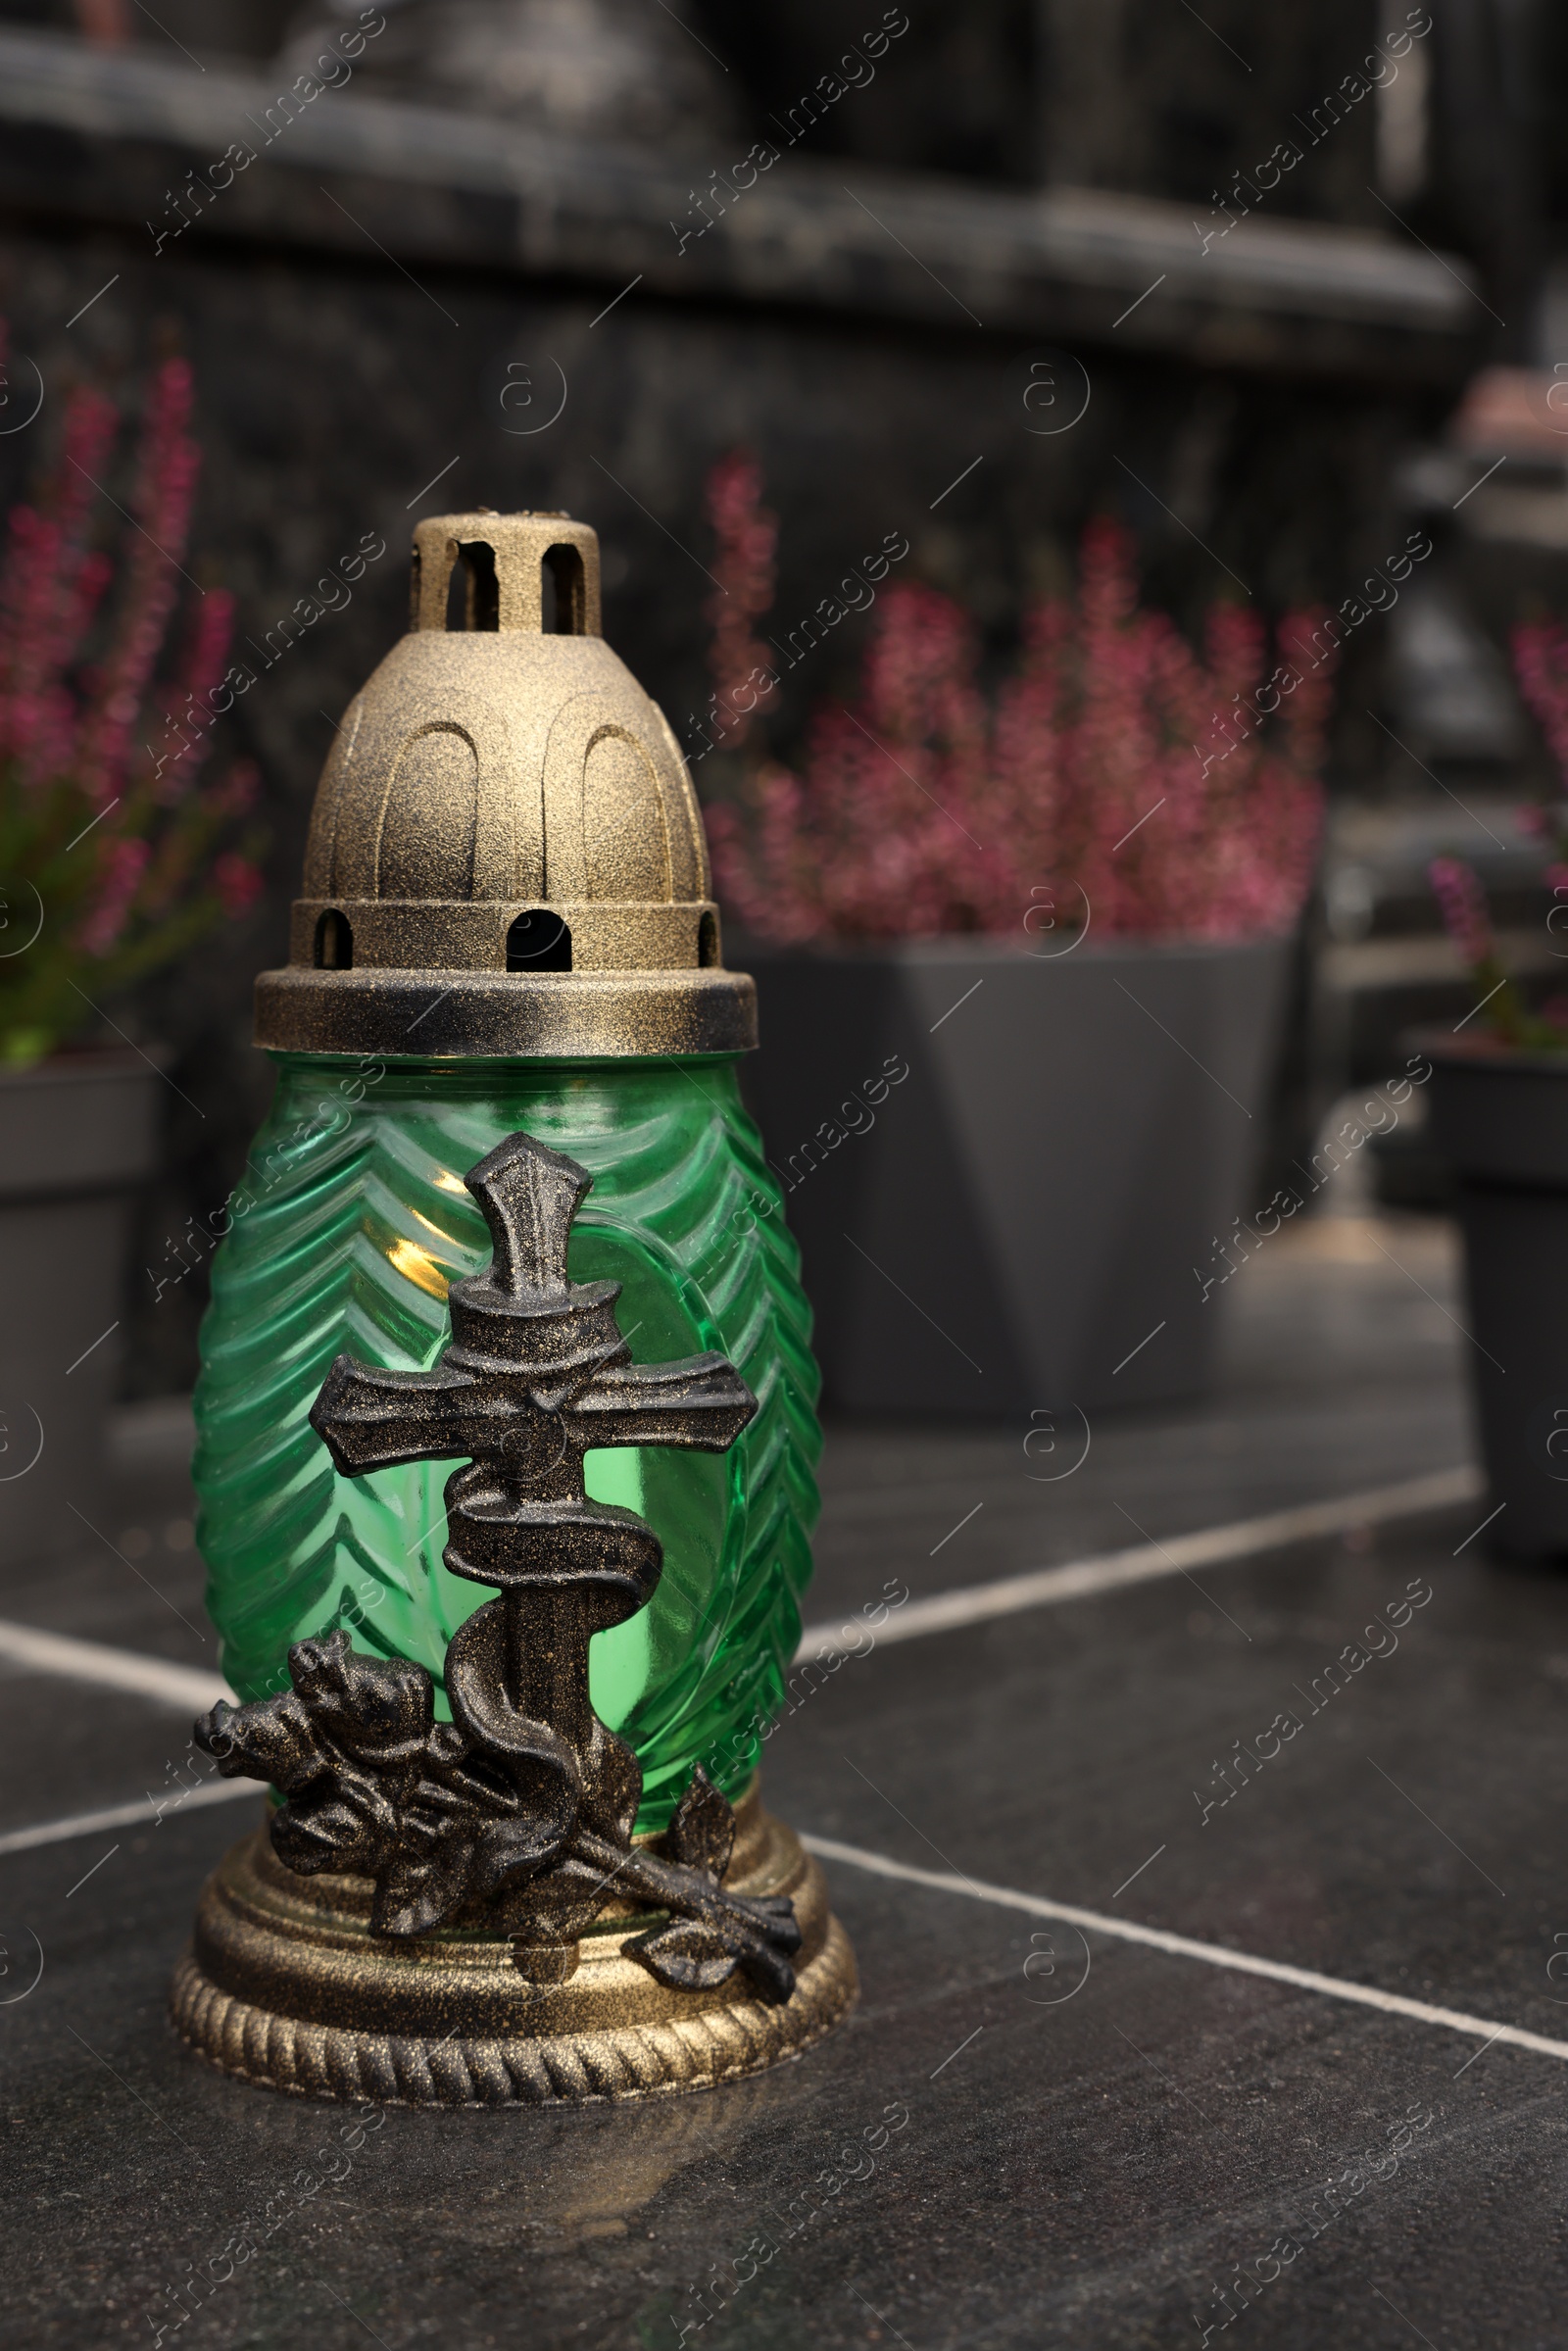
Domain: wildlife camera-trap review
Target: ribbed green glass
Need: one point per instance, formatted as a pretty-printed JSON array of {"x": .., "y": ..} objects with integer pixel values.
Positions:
[{"x": 350, "y": 1224}]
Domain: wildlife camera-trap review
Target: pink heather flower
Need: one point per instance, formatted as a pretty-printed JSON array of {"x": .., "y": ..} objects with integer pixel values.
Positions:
[
  {"x": 180, "y": 741},
  {"x": 1098, "y": 772},
  {"x": 49, "y": 588},
  {"x": 743, "y": 564},
  {"x": 1463, "y": 906},
  {"x": 107, "y": 24},
  {"x": 161, "y": 500},
  {"x": 1541, "y": 663},
  {"x": 237, "y": 881},
  {"x": 238, "y": 792},
  {"x": 120, "y": 867},
  {"x": 79, "y": 701}
]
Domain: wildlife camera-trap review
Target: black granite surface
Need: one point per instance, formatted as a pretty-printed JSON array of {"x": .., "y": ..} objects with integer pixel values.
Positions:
[
  {"x": 1071, "y": 2170},
  {"x": 990, "y": 2156}
]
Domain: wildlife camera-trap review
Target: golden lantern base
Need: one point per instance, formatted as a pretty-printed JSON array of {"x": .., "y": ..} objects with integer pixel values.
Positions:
[{"x": 285, "y": 1985}]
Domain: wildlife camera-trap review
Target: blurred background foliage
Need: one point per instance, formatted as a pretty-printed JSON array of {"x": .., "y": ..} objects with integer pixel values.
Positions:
[{"x": 1267, "y": 420}]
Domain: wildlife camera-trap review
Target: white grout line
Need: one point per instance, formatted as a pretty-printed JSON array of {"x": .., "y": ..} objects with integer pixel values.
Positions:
[
  {"x": 183, "y": 1686},
  {"x": 121, "y": 1816},
  {"x": 112, "y": 1669},
  {"x": 1182, "y": 1946},
  {"x": 1079, "y": 1579}
]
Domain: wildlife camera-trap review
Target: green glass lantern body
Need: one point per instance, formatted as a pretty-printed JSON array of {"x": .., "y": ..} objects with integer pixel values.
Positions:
[{"x": 345, "y": 1234}]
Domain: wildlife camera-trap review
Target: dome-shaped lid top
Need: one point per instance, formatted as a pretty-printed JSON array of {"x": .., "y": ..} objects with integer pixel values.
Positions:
[{"x": 506, "y": 854}]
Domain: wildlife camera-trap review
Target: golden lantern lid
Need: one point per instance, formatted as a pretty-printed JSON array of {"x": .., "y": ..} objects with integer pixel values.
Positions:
[{"x": 505, "y": 853}]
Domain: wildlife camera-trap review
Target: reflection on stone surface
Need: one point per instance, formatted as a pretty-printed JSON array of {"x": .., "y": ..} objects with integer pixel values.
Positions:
[{"x": 594, "y": 2183}]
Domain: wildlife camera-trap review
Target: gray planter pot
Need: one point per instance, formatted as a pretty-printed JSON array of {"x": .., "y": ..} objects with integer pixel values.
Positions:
[
  {"x": 1500, "y": 1120},
  {"x": 80, "y": 1134},
  {"x": 1014, "y": 1224}
]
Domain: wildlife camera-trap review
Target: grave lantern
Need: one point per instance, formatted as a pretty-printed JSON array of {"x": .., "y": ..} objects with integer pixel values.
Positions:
[{"x": 506, "y": 1424}]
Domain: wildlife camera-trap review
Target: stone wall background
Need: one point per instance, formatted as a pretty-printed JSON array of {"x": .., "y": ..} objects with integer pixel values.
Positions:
[{"x": 332, "y": 388}]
